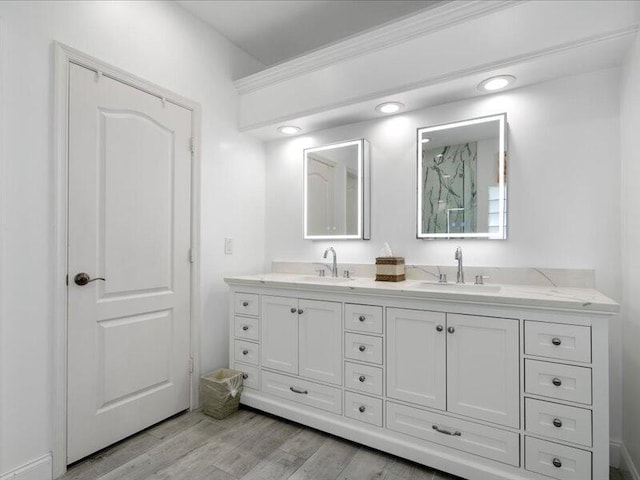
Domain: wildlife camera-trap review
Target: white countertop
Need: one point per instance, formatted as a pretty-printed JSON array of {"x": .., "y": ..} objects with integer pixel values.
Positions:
[{"x": 579, "y": 299}]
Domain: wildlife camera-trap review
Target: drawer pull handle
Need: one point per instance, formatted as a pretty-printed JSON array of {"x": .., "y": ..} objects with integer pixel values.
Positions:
[
  {"x": 451, "y": 329},
  {"x": 300, "y": 311},
  {"x": 245, "y": 352},
  {"x": 245, "y": 328},
  {"x": 245, "y": 304},
  {"x": 362, "y": 348},
  {"x": 294, "y": 309},
  {"x": 362, "y": 378},
  {"x": 301, "y": 392},
  {"x": 556, "y": 341},
  {"x": 557, "y": 422},
  {"x": 556, "y": 381},
  {"x": 556, "y": 462},
  {"x": 439, "y": 328},
  {"x": 446, "y": 432},
  {"x": 362, "y": 318},
  {"x": 362, "y": 408},
  {"x": 245, "y": 376}
]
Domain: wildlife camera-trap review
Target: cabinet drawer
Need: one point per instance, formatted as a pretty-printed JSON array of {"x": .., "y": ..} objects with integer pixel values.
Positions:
[
  {"x": 469, "y": 437},
  {"x": 363, "y": 318},
  {"x": 247, "y": 304},
  {"x": 363, "y": 347},
  {"x": 554, "y": 340},
  {"x": 561, "y": 422},
  {"x": 363, "y": 378},
  {"x": 250, "y": 376},
  {"x": 247, "y": 352},
  {"x": 303, "y": 391},
  {"x": 566, "y": 382},
  {"x": 363, "y": 408},
  {"x": 247, "y": 328},
  {"x": 557, "y": 461}
]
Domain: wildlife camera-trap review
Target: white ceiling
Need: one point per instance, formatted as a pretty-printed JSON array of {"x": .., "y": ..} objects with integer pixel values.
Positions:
[{"x": 273, "y": 31}]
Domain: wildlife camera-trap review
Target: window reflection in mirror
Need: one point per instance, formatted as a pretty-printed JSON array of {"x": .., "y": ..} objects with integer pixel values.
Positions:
[
  {"x": 336, "y": 191},
  {"x": 462, "y": 179}
]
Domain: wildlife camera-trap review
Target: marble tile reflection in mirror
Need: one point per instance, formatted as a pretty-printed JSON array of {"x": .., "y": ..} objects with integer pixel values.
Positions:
[
  {"x": 336, "y": 191},
  {"x": 462, "y": 179}
]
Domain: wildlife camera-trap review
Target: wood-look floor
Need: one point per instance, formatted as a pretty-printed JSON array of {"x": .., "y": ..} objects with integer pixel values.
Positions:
[{"x": 249, "y": 445}]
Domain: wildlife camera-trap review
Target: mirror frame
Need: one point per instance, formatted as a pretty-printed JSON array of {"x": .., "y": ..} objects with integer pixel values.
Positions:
[
  {"x": 364, "y": 191},
  {"x": 501, "y": 234}
]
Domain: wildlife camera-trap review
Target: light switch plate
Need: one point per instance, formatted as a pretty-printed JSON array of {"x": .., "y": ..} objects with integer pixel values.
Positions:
[{"x": 228, "y": 246}]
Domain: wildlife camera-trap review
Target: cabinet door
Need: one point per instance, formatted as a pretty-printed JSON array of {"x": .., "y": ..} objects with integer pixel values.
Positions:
[
  {"x": 483, "y": 368},
  {"x": 280, "y": 333},
  {"x": 416, "y": 356},
  {"x": 321, "y": 340}
]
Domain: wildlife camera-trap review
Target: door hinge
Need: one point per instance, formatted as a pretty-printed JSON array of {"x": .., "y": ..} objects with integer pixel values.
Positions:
[
  {"x": 66, "y": 279},
  {"x": 192, "y": 145},
  {"x": 191, "y": 256},
  {"x": 190, "y": 364}
]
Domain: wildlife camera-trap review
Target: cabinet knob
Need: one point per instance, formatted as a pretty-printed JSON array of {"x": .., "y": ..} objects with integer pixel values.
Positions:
[
  {"x": 556, "y": 462},
  {"x": 362, "y": 408},
  {"x": 439, "y": 328},
  {"x": 245, "y": 376},
  {"x": 556, "y": 341},
  {"x": 557, "y": 422},
  {"x": 362, "y": 348},
  {"x": 451, "y": 329},
  {"x": 556, "y": 381},
  {"x": 362, "y": 318},
  {"x": 294, "y": 309},
  {"x": 245, "y": 328},
  {"x": 300, "y": 311},
  {"x": 362, "y": 378},
  {"x": 245, "y": 352},
  {"x": 245, "y": 304}
]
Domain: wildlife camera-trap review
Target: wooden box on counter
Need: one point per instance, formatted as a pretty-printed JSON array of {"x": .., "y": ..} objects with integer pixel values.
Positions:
[{"x": 390, "y": 269}]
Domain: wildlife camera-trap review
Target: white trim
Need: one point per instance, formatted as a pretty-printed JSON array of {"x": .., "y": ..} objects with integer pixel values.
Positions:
[
  {"x": 425, "y": 22},
  {"x": 627, "y": 467},
  {"x": 64, "y": 56},
  {"x": 38, "y": 469},
  {"x": 2, "y": 203},
  {"x": 615, "y": 446}
]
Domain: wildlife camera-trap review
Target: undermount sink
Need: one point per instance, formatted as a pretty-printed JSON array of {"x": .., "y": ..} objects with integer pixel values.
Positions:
[
  {"x": 459, "y": 287},
  {"x": 319, "y": 279}
]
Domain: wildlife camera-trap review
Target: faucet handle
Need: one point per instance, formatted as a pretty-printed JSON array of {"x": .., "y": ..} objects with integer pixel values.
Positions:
[
  {"x": 480, "y": 279},
  {"x": 320, "y": 272},
  {"x": 442, "y": 278},
  {"x": 347, "y": 274}
]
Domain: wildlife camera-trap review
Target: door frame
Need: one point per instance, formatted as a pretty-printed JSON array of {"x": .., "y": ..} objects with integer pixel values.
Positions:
[{"x": 64, "y": 56}]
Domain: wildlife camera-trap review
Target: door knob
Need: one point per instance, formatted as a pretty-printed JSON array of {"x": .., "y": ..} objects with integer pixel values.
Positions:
[{"x": 84, "y": 278}]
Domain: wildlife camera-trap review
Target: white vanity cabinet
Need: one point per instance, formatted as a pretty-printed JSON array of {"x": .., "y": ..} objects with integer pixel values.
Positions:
[{"x": 482, "y": 386}]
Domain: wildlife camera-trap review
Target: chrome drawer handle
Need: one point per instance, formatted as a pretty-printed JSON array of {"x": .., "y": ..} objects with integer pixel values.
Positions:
[
  {"x": 245, "y": 328},
  {"x": 362, "y": 348},
  {"x": 245, "y": 376},
  {"x": 439, "y": 328},
  {"x": 446, "y": 432},
  {"x": 245, "y": 304},
  {"x": 556, "y": 341},
  {"x": 362, "y": 408},
  {"x": 301, "y": 392},
  {"x": 294, "y": 309},
  {"x": 556, "y": 462},
  {"x": 245, "y": 352},
  {"x": 362, "y": 378},
  {"x": 362, "y": 318},
  {"x": 557, "y": 422},
  {"x": 556, "y": 381}
]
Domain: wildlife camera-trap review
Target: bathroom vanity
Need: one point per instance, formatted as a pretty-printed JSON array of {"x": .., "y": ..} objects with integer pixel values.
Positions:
[{"x": 482, "y": 381}]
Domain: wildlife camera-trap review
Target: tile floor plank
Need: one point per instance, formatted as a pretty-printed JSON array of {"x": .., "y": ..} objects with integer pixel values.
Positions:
[
  {"x": 304, "y": 443},
  {"x": 277, "y": 466},
  {"x": 328, "y": 461}
]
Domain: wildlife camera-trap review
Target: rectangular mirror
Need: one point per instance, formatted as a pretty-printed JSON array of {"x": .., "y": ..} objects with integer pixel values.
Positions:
[
  {"x": 336, "y": 191},
  {"x": 462, "y": 186}
]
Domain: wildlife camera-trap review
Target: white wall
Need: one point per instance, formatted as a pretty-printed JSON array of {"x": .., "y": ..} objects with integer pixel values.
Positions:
[
  {"x": 158, "y": 41},
  {"x": 564, "y": 195},
  {"x": 630, "y": 126}
]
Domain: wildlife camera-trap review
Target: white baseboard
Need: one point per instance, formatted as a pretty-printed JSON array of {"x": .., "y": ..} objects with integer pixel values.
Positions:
[
  {"x": 627, "y": 467},
  {"x": 38, "y": 469},
  {"x": 614, "y": 453}
]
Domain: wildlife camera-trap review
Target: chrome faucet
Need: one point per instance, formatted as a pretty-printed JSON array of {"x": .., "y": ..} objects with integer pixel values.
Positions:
[
  {"x": 334, "y": 265},
  {"x": 458, "y": 257}
]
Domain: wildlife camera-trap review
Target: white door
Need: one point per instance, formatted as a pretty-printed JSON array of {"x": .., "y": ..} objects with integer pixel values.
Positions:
[
  {"x": 483, "y": 379},
  {"x": 129, "y": 223},
  {"x": 320, "y": 347},
  {"x": 416, "y": 345},
  {"x": 280, "y": 333},
  {"x": 320, "y": 180}
]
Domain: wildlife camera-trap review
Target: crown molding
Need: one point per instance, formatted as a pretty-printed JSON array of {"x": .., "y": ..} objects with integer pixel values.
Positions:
[
  {"x": 393, "y": 33},
  {"x": 453, "y": 75}
]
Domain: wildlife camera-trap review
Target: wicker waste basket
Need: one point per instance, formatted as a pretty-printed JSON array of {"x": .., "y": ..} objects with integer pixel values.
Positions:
[{"x": 220, "y": 392}]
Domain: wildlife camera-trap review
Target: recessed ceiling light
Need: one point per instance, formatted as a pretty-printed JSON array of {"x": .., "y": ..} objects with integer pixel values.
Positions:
[
  {"x": 389, "y": 107},
  {"x": 288, "y": 129},
  {"x": 496, "y": 83}
]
